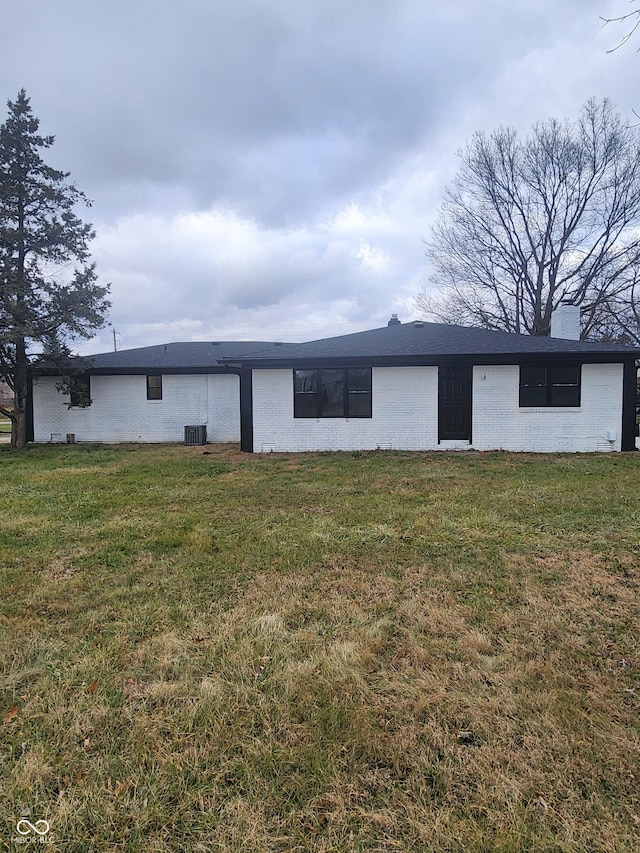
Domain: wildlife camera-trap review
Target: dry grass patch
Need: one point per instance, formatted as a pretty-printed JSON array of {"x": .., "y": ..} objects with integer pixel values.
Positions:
[{"x": 221, "y": 652}]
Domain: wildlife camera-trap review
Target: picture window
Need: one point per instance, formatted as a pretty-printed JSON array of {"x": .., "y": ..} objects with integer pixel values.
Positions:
[{"x": 332, "y": 393}]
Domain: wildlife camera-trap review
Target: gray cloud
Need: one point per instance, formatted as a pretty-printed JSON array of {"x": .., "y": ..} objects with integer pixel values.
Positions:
[{"x": 253, "y": 160}]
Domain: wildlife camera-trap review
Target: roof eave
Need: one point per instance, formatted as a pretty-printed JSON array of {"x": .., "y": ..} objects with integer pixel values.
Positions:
[{"x": 586, "y": 357}]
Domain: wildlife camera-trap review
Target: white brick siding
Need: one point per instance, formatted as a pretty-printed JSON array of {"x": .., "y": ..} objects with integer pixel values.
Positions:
[
  {"x": 499, "y": 423},
  {"x": 121, "y": 412},
  {"x": 405, "y": 414}
]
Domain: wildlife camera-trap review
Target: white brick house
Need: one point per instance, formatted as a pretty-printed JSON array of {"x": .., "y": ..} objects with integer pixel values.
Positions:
[
  {"x": 411, "y": 386},
  {"x": 147, "y": 394}
]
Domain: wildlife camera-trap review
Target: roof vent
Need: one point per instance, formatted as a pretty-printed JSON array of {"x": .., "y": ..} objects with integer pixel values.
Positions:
[
  {"x": 394, "y": 320},
  {"x": 278, "y": 344},
  {"x": 418, "y": 324},
  {"x": 215, "y": 343}
]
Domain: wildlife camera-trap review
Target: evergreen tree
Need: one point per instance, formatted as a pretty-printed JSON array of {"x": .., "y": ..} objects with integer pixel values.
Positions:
[{"x": 48, "y": 286}]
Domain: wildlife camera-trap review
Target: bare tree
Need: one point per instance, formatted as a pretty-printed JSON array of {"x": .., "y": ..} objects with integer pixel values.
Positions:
[
  {"x": 631, "y": 20},
  {"x": 620, "y": 322},
  {"x": 530, "y": 223}
]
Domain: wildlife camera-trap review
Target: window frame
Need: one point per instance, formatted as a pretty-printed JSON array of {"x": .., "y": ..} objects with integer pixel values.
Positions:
[
  {"x": 316, "y": 406},
  {"x": 154, "y": 392},
  {"x": 549, "y": 390}
]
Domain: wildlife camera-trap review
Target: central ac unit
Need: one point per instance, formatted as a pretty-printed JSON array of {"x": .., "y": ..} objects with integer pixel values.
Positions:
[{"x": 195, "y": 434}]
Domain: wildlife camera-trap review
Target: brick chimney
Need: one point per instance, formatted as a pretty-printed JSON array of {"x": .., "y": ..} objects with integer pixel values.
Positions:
[{"x": 565, "y": 322}]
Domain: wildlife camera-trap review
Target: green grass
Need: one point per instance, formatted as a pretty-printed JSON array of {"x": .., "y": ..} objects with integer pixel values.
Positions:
[{"x": 322, "y": 652}]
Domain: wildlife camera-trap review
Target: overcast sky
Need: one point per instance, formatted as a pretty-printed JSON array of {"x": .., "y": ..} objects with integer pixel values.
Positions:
[{"x": 268, "y": 169}]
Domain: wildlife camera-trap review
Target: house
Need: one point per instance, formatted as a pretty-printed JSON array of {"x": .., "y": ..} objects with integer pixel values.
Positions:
[
  {"x": 6, "y": 395},
  {"x": 148, "y": 394},
  {"x": 405, "y": 386}
]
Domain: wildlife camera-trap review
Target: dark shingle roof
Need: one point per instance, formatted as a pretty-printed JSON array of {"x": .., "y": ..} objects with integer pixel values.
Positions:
[
  {"x": 195, "y": 354},
  {"x": 436, "y": 340},
  {"x": 407, "y": 343}
]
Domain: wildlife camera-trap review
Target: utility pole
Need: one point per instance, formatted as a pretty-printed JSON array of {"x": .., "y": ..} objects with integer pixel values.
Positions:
[{"x": 115, "y": 340}]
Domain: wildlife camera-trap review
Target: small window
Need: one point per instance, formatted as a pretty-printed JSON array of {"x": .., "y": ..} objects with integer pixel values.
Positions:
[
  {"x": 154, "y": 387},
  {"x": 551, "y": 385},
  {"x": 332, "y": 393},
  {"x": 80, "y": 391}
]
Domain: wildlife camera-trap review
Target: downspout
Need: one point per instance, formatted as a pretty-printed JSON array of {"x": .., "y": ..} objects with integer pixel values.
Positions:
[{"x": 30, "y": 427}]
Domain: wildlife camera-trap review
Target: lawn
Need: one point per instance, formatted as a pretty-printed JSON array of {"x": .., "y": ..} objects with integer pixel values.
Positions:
[{"x": 324, "y": 652}]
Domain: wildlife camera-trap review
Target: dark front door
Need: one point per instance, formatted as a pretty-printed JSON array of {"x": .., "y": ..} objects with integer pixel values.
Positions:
[{"x": 454, "y": 403}]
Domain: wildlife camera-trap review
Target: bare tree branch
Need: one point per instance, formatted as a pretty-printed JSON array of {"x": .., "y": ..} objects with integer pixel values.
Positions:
[
  {"x": 529, "y": 223},
  {"x": 621, "y": 19}
]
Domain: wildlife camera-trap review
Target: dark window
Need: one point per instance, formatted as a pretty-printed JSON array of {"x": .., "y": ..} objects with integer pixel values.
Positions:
[
  {"x": 332, "y": 393},
  {"x": 332, "y": 397},
  {"x": 533, "y": 386},
  {"x": 154, "y": 387},
  {"x": 359, "y": 385},
  {"x": 551, "y": 385},
  {"x": 80, "y": 391},
  {"x": 305, "y": 393}
]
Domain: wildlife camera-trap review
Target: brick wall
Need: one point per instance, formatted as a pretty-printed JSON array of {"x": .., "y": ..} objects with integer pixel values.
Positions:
[
  {"x": 405, "y": 414},
  {"x": 498, "y": 422},
  {"x": 121, "y": 412}
]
